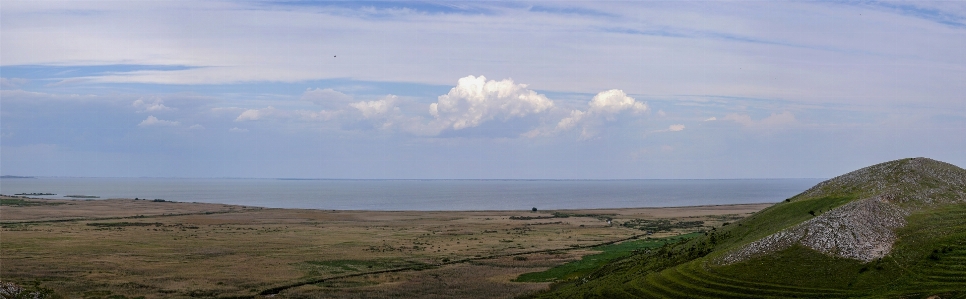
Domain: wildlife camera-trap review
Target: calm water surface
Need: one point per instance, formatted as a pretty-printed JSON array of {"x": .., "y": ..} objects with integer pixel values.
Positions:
[{"x": 423, "y": 194}]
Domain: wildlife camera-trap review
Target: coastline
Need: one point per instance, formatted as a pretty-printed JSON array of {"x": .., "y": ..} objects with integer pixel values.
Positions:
[
  {"x": 425, "y": 195},
  {"x": 108, "y": 207}
]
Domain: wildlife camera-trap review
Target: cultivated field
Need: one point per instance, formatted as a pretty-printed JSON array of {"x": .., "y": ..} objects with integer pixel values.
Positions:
[{"x": 120, "y": 248}]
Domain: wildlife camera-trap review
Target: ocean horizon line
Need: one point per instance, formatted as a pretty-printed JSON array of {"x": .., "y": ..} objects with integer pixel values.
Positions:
[
  {"x": 401, "y": 179},
  {"x": 424, "y": 194}
]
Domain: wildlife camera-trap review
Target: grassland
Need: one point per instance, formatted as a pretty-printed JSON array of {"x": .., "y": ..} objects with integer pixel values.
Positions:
[
  {"x": 927, "y": 258},
  {"x": 121, "y": 248},
  {"x": 20, "y": 202},
  {"x": 589, "y": 263}
]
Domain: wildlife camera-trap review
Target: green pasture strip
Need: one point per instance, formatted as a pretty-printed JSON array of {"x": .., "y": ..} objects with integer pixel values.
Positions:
[
  {"x": 592, "y": 262},
  {"x": 19, "y": 202}
]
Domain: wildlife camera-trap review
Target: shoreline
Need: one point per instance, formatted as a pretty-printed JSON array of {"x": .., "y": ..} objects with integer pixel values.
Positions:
[
  {"x": 99, "y": 209},
  {"x": 434, "y": 195},
  {"x": 5, "y": 196}
]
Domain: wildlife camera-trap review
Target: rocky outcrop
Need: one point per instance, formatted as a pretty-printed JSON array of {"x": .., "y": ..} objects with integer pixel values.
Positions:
[
  {"x": 863, "y": 230},
  {"x": 913, "y": 183}
]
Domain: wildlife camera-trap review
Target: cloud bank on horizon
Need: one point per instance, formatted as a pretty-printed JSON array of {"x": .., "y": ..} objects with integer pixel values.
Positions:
[{"x": 478, "y": 89}]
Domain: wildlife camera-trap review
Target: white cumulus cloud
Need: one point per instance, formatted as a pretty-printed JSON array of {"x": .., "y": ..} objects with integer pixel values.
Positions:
[
  {"x": 273, "y": 113},
  {"x": 155, "y": 105},
  {"x": 604, "y": 105},
  {"x": 711, "y": 119},
  {"x": 614, "y": 101},
  {"x": 257, "y": 114},
  {"x": 475, "y": 100},
  {"x": 569, "y": 122},
  {"x": 671, "y": 128},
  {"x": 154, "y": 121},
  {"x": 377, "y": 108},
  {"x": 237, "y": 130}
]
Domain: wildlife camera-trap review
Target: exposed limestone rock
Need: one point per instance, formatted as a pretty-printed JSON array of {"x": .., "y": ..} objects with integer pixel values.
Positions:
[
  {"x": 861, "y": 230},
  {"x": 913, "y": 183},
  {"x": 865, "y": 229}
]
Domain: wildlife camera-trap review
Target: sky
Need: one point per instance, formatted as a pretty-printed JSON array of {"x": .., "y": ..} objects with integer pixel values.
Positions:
[{"x": 478, "y": 90}]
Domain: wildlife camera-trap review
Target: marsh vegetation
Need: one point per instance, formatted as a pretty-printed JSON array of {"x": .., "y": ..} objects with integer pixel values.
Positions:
[{"x": 122, "y": 248}]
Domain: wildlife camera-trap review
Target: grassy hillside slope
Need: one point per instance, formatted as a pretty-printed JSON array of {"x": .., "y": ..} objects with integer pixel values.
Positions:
[{"x": 924, "y": 255}]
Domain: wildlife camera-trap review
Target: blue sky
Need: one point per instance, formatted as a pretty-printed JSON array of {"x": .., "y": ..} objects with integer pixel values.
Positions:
[{"x": 532, "y": 90}]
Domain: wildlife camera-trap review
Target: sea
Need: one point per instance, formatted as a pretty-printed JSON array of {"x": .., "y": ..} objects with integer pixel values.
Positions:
[{"x": 421, "y": 195}]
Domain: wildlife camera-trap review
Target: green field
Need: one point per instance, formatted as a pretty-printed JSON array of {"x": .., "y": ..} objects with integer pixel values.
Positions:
[
  {"x": 927, "y": 260},
  {"x": 18, "y": 202},
  {"x": 589, "y": 263}
]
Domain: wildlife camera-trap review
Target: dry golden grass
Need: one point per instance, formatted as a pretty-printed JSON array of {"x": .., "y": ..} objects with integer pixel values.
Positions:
[{"x": 213, "y": 250}]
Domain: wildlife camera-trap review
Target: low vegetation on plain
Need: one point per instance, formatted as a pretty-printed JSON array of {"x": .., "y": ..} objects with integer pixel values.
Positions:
[
  {"x": 891, "y": 230},
  {"x": 125, "y": 248}
]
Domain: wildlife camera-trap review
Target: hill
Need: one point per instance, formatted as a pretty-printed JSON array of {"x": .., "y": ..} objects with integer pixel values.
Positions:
[{"x": 895, "y": 230}]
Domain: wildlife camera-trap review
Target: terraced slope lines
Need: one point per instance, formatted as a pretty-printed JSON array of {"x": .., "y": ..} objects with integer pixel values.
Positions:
[{"x": 891, "y": 230}]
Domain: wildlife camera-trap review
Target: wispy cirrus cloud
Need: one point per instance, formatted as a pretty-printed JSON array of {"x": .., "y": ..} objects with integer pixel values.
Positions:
[
  {"x": 12, "y": 83},
  {"x": 890, "y": 70},
  {"x": 774, "y": 120},
  {"x": 325, "y": 97},
  {"x": 950, "y": 13},
  {"x": 712, "y": 48}
]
